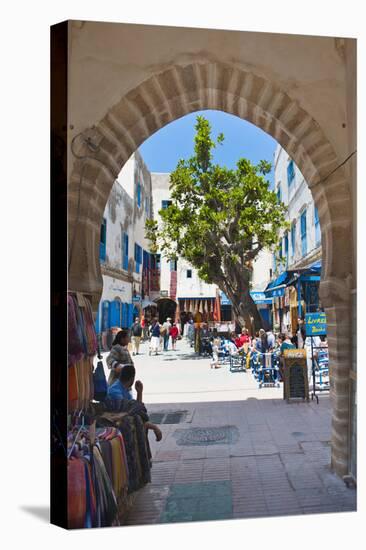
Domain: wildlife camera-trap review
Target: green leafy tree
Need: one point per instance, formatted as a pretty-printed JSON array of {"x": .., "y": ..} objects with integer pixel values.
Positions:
[{"x": 220, "y": 220}]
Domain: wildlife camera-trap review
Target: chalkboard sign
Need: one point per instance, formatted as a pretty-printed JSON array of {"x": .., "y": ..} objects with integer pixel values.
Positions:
[{"x": 296, "y": 384}]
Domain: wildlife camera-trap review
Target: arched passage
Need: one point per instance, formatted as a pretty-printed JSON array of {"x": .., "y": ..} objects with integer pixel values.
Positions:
[{"x": 100, "y": 152}]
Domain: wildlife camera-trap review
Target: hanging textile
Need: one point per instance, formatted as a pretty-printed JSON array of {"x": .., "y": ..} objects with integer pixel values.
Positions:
[
  {"x": 107, "y": 508},
  {"x": 177, "y": 313},
  {"x": 217, "y": 309},
  {"x": 80, "y": 494},
  {"x": 82, "y": 338},
  {"x": 80, "y": 384},
  {"x": 97, "y": 477}
]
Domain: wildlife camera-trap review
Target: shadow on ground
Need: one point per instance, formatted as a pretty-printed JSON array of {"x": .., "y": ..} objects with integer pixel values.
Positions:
[{"x": 40, "y": 512}]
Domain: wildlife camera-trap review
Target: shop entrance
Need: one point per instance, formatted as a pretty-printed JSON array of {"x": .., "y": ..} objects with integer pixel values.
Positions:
[{"x": 166, "y": 308}]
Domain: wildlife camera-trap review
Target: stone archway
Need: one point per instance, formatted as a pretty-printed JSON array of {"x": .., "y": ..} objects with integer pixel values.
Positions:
[{"x": 100, "y": 151}]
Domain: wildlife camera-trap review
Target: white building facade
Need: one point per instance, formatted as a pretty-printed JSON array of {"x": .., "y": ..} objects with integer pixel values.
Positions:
[
  {"x": 302, "y": 244},
  {"x": 124, "y": 255},
  {"x": 296, "y": 268}
]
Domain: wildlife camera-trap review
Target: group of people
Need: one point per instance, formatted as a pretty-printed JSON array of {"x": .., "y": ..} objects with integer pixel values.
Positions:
[
  {"x": 159, "y": 334},
  {"x": 262, "y": 342}
]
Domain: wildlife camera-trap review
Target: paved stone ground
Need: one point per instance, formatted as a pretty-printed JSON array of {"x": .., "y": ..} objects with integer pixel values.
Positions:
[{"x": 277, "y": 464}]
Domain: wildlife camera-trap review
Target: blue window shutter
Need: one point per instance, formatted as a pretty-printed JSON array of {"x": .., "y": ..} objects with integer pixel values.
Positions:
[
  {"x": 130, "y": 315},
  {"x": 138, "y": 257},
  {"x": 105, "y": 315},
  {"x": 138, "y": 194},
  {"x": 293, "y": 238},
  {"x": 303, "y": 233},
  {"x": 286, "y": 248},
  {"x": 317, "y": 226},
  {"x": 103, "y": 240},
  {"x": 124, "y": 315},
  {"x": 279, "y": 194},
  {"x": 125, "y": 252},
  {"x": 290, "y": 172},
  {"x": 115, "y": 314}
]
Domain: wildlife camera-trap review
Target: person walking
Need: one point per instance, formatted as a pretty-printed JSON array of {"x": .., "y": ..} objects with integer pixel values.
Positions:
[
  {"x": 174, "y": 333},
  {"x": 155, "y": 337},
  {"x": 119, "y": 355},
  {"x": 190, "y": 332},
  {"x": 136, "y": 333},
  {"x": 215, "y": 352},
  {"x": 166, "y": 332}
]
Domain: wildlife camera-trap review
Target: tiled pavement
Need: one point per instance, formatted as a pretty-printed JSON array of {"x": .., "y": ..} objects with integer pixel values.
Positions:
[{"x": 278, "y": 466}]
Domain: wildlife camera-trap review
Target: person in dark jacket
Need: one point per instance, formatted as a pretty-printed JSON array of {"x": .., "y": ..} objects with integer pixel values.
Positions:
[
  {"x": 155, "y": 337},
  {"x": 136, "y": 333}
]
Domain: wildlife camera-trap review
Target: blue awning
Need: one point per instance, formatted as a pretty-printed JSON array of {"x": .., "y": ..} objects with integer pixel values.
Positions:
[
  {"x": 316, "y": 267},
  {"x": 281, "y": 279},
  {"x": 277, "y": 287},
  {"x": 260, "y": 298}
]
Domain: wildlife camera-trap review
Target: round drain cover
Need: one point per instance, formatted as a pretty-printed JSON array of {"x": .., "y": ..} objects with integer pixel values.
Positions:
[{"x": 205, "y": 436}]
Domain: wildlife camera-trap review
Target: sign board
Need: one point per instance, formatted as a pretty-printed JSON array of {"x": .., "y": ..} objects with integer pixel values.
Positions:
[
  {"x": 260, "y": 298},
  {"x": 136, "y": 299},
  {"x": 224, "y": 300},
  {"x": 315, "y": 324},
  {"x": 296, "y": 384}
]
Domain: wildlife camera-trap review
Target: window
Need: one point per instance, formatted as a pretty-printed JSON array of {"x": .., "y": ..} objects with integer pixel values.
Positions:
[
  {"x": 279, "y": 194},
  {"x": 274, "y": 263},
  {"x": 189, "y": 273},
  {"x": 290, "y": 172},
  {"x": 103, "y": 240},
  {"x": 146, "y": 260},
  {"x": 105, "y": 315},
  {"x": 293, "y": 238},
  {"x": 125, "y": 251},
  {"x": 165, "y": 204},
  {"x": 317, "y": 226},
  {"x": 303, "y": 234},
  {"x": 147, "y": 206},
  {"x": 286, "y": 248},
  {"x": 173, "y": 265},
  {"x": 280, "y": 255},
  {"x": 155, "y": 261},
  {"x": 139, "y": 194},
  {"x": 138, "y": 257},
  {"x": 270, "y": 273}
]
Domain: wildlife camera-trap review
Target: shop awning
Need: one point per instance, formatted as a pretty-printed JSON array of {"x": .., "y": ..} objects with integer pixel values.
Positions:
[
  {"x": 260, "y": 297},
  {"x": 277, "y": 287}
]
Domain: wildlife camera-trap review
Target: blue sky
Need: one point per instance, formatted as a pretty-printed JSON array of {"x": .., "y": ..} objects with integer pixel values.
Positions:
[{"x": 163, "y": 149}]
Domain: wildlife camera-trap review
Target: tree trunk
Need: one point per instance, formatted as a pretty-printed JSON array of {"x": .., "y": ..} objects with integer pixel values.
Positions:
[{"x": 245, "y": 310}]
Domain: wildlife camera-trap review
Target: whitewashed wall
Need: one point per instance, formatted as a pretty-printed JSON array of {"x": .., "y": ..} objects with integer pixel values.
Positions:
[{"x": 297, "y": 198}]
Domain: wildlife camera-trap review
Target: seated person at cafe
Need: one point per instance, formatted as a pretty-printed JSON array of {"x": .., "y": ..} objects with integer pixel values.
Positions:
[
  {"x": 120, "y": 390},
  {"x": 243, "y": 341},
  {"x": 284, "y": 341}
]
